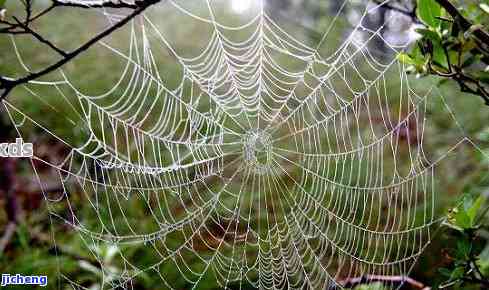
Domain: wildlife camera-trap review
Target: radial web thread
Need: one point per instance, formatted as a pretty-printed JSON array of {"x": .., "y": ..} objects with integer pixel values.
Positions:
[{"x": 268, "y": 163}]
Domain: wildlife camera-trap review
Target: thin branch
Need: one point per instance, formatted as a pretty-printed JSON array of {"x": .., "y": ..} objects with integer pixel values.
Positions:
[
  {"x": 465, "y": 24},
  {"x": 43, "y": 12},
  {"x": 40, "y": 38},
  {"x": 462, "y": 80},
  {"x": 11, "y": 29},
  {"x": 12, "y": 26},
  {"x": 353, "y": 282},
  {"x": 7, "y": 85},
  {"x": 28, "y": 10},
  {"x": 99, "y": 4},
  {"x": 476, "y": 268}
]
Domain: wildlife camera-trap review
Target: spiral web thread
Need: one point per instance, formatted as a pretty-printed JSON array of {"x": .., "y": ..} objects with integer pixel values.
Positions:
[{"x": 249, "y": 171}]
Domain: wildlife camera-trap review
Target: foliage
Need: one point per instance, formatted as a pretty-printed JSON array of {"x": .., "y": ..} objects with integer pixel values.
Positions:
[
  {"x": 453, "y": 45},
  {"x": 470, "y": 259},
  {"x": 451, "y": 49},
  {"x": 443, "y": 47}
]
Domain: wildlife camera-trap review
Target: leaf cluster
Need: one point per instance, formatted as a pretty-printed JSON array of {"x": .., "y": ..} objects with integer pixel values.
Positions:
[
  {"x": 451, "y": 47},
  {"x": 469, "y": 266}
]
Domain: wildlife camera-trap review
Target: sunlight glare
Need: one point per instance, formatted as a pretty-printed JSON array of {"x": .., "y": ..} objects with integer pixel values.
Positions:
[{"x": 240, "y": 6}]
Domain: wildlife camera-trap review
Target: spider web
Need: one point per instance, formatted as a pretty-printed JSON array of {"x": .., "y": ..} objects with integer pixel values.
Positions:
[{"x": 258, "y": 161}]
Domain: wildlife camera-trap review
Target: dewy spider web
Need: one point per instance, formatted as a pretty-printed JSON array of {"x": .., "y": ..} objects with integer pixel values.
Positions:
[{"x": 269, "y": 165}]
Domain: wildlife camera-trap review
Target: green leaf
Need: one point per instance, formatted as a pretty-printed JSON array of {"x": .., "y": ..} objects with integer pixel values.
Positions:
[
  {"x": 484, "y": 76},
  {"x": 433, "y": 35},
  {"x": 427, "y": 12},
  {"x": 457, "y": 273},
  {"x": 439, "y": 55},
  {"x": 466, "y": 213},
  {"x": 2, "y": 3},
  {"x": 463, "y": 249},
  {"x": 405, "y": 58},
  {"x": 411, "y": 59},
  {"x": 467, "y": 201},
  {"x": 462, "y": 220},
  {"x": 474, "y": 209},
  {"x": 445, "y": 272}
]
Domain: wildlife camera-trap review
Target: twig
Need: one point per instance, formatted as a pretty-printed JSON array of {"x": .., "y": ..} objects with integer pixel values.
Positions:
[
  {"x": 465, "y": 24},
  {"x": 466, "y": 82},
  {"x": 473, "y": 264},
  {"x": 352, "y": 282},
  {"x": 99, "y": 4},
  {"x": 462, "y": 80},
  {"x": 28, "y": 10},
  {"x": 7, "y": 85},
  {"x": 12, "y": 26},
  {"x": 40, "y": 38}
]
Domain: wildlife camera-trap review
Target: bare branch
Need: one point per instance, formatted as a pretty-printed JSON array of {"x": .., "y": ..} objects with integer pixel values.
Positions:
[
  {"x": 12, "y": 26},
  {"x": 99, "y": 4},
  {"x": 7, "y": 85},
  {"x": 465, "y": 24},
  {"x": 40, "y": 38},
  {"x": 353, "y": 282}
]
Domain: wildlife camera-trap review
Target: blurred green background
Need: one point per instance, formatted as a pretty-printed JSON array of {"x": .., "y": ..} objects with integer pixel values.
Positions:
[{"x": 41, "y": 244}]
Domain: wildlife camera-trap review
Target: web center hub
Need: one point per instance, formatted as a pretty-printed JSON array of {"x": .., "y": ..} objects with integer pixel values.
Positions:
[{"x": 257, "y": 150}]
